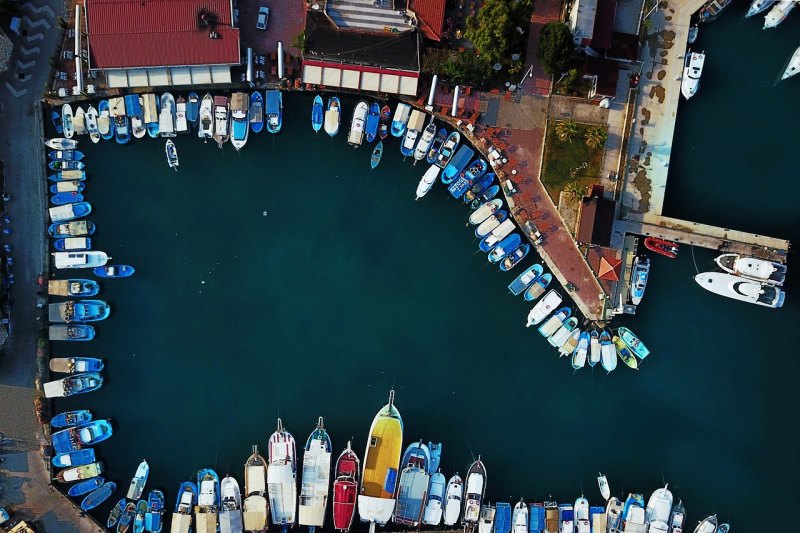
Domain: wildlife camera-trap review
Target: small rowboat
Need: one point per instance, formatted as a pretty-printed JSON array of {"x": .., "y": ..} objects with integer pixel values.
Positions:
[
  {"x": 538, "y": 287},
  {"x": 116, "y": 513},
  {"x": 114, "y": 271},
  {"x": 377, "y": 153},
  {"x": 75, "y": 365},
  {"x": 66, "y": 165},
  {"x": 85, "y": 487},
  {"x": 98, "y": 495},
  {"x": 68, "y": 175},
  {"x": 625, "y": 354},
  {"x": 65, "y": 155},
  {"x": 74, "y": 458},
  {"x": 56, "y": 117},
  {"x": 661, "y": 246},
  {"x": 64, "y": 198},
  {"x": 485, "y": 211},
  {"x": 317, "y": 113},
  {"x": 138, "y": 518},
  {"x": 71, "y": 418},
  {"x": 488, "y": 225}
]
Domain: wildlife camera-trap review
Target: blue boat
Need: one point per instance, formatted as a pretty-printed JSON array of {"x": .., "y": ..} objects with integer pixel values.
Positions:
[
  {"x": 65, "y": 155},
  {"x": 538, "y": 287},
  {"x": 641, "y": 271},
  {"x": 522, "y": 281},
  {"x": 66, "y": 165},
  {"x": 457, "y": 164},
  {"x": 502, "y": 517},
  {"x": 595, "y": 511},
  {"x": 80, "y": 437},
  {"x": 633, "y": 343},
  {"x": 79, "y": 311},
  {"x": 184, "y": 505},
  {"x": 63, "y": 198},
  {"x": 98, "y": 496},
  {"x": 274, "y": 111},
  {"x": 436, "y": 145},
  {"x": 513, "y": 258},
  {"x": 256, "y": 112},
  {"x": 56, "y": 118},
  {"x": 126, "y": 519},
  {"x": 114, "y": 271},
  {"x": 85, "y": 487},
  {"x": 101, "y": 107},
  {"x": 478, "y": 187},
  {"x": 317, "y": 114},
  {"x": 68, "y": 175},
  {"x": 122, "y": 129},
  {"x": 633, "y": 500},
  {"x": 413, "y": 485},
  {"x": 377, "y": 153},
  {"x": 193, "y": 109},
  {"x": 555, "y": 321},
  {"x": 133, "y": 109},
  {"x": 77, "y": 186},
  {"x": 154, "y": 103},
  {"x": 504, "y": 247},
  {"x": 153, "y": 520},
  {"x": 116, "y": 513},
  {"x": 75, "y": 228},
  {"x": 138, "y": 518},
  {"x": 448, "y": 149},
  {"x": 71, "y": 418},
  {"x": 401, "y": 115},
  {"x": 71, "y": 332},
  {"x": 373, "y": 121},
  {"x": 476, "y": 169},
  {"x": 434, "y": 504},
  {"x": 566, "y": 517},
  {"x": 536, "y": 518},
  {"x": 485, "y": 196},
  {"x": 458, "y": 187},
  {"x": 435, "y": 450},
  {"x": 74, "y": 458}
]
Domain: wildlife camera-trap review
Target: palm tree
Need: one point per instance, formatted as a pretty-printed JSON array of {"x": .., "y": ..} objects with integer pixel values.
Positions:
[
  {"x": 566, "y": 130},
  {"x": 596, "y": 136},
  {"x": 575, "y": 189}
]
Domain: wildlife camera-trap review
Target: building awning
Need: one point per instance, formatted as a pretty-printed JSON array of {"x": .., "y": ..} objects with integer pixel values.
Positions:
[
  {"x": 351, "y": 79},
  {"x": 371, "y": 81},
  {"x": 158, "y": 77},
  {"x": 361, "y": 78},
  {"x": 181, "y": 76},
  {"x": 603, "y": 24},
  {"x": 117, "y": 78},
  {"x": 201, "y": 76},
  {"x": 312, "y": 74},
  {"x": 138, "y": 78},
  {"x": 220, "y": 74}
]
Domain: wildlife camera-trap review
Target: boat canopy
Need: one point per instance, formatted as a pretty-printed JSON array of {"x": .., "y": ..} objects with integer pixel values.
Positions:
[
  {"x": 255, "y": 512},
  {"x": 378, "y": 510},
  {"x": 116, "y": 107},
  {"x": 61, "y": 212},
  {"x": 273, "y": 102},
  {"x": 58, "y": 287},
  {"x": 230, "y": 521},
  {"x": 181, "y": 523},
  {"x": 132, "y": 105},
  {"x": 240, "y": 104},
  {"x": 54, "y": 389},
  {"x": 255, "y": 479},
  {"x": 206, "y": 523},
  {"x": 417, "y": 120}
]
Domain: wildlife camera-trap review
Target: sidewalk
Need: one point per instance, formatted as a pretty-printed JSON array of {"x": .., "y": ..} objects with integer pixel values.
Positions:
[{"x": 544, "y": 11}]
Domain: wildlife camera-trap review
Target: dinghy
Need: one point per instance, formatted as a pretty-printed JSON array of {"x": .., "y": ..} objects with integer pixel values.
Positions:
[
  {"x": 114, "y": 271},
  {"x": 527, "y": 277},
  {"x": 71, "y": 418},
  {"x": 74, "y": 365},
  {"x": 377, "y": 153},
  {"x": 64, "y": 198},
  {"x": 317, "y": 114},
  {"x": 57, "y": 123},
  {"x": 116, "y": 513},
  {"x": 256, "y": 112},
  {"x": 514, "y": 257},
  {"x": 172, "y": 154},
  {"x": 66, "y": 121},
  {"x": 333, "y": 116}
]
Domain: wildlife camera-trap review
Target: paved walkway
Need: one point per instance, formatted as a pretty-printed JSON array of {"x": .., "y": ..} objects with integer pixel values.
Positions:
[{"x": 544, "y": 11}]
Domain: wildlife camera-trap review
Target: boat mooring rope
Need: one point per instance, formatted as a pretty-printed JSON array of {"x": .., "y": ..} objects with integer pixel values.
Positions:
[{"x": 695, "y": 262}]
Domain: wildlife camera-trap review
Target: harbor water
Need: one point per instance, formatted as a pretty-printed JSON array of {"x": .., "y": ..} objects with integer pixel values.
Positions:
[{"x": 290, "y": 280}]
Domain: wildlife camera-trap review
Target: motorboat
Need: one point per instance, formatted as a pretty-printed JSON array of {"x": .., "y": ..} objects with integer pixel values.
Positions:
[
  {"x": 138, "y": 518},
  {"x": 77, "y": 473},
  {"x": 381, "y": 460},
  {"x": 172, "y": 154},
  {"x": 416, "y": 123},
  {"x": 527, "y": 277},
  {"x": 742, "y": 289},
  {"x": 457, "y": 164},
  {"x": 98, "y": 496},
  {"x": 694, "y": 30},
  {"x": 486, "y": 523},
  {"x": 104, "y": 122},
  {"x": 427, "y": 181},
  {"x": 602, "y": 484},
  {"x": 412, "y": 486},
  {"x": 502, "y": 520},
  {"x": 91, "y": 124},
  {"x": 400, "y": 119},
  {"x": 118, "y": 112},
  {"x": 661, "y": 246},
  {"x": 221, "y": 120},
  {"x": 614, "y": 514},
  {"x": 641, "y": 271},
  {"x": 345, "y": 489},
  {"x": 581, "y": 508},
  {"x": 282, "y": 478},
  {"x": 114, "y": 271},
  {"x": 753, "y": 268},
  {"x": 489, "y": 225},
  {"x": 240, "y": 126},
  {"x": 659, "y": 509},
  {"x": 377, "y": 154},
  {"x": 453, "y": 500},
  {"x": 205, "y": 130},
  {"x": 116, "y": 513},
  {"x": 633, "y": 343},
  {"x": 274, "y": 108},
  {"x": 75, "y": 186},
  {"x": 67, "y": 212},
  {"x": 485, "y": 211},
  {"x": 425, "y": 142},
  {"x": 373, "y": 121},
  {"x": 553, "y": 324},
  {"x": 562, "y": 334},
  {"x": 793, "y": 67},
  {"x": 594, "y": 349},
  {"x": 543, "y": 308},
  {"x": 624, "y": 353},
  {"x": 66, "y": 165},
  {"x": 63, "y": 198},
  {"x": 478, "y": 187},
  {"x": 78, "y": 311},
  {"x": 504, "y": 247},
  {"x": 254, "y": 506},
  {"x": 356, "y": 134},
  {"x": 519, "y": 518},
  {"x": 74, "y": 458},
  {"x": 712, "y": 9},
  {"x": 475, "y": 488},
  {"x": 206, "y": 512},
  {"x": 80, "y": 437},
  {"x": 193, "y": 109},
  {"x": 566, "y": 518},
  {"x": 256, "y": 116},
  {"x": 181, "y": 123},
  {"x": 315, "y": 481},
  {"x": 154, "y": 519},
  {"x": 166, "y": 116},
  {"x": 133, "y": 108},
  {"x": 88, "y": 259},
  {"x": 71, "y": 418},
  {"x": 79, "y": 121},
  {"x": 707, "y": 525},
  {"x": 580, "y": 354},
  {"x": 74, "y": 365},
  {"x": 432, "y": 515},
  {"x": 538, "y": 287},
  {"x": 230, "y": 510},
  {"x": 778, "y": 13},
  {"x": 448, "y": 149},
  {"x": 58, "y": 124},
  {"x": 184, "y": 505},
  {"x": 66, "y": 121},
  {"x": 436, "y": 146},
  {"x": 496, "y": 236},
  {"x": 61, "y": 144},
  {"x": 150, "y": 106},
  {"x": 73, "y": 385},
  {"x": 514, "y": 257},
  {"x": 136, "y": 487},
  {"x": 692, "y": 71},
  {"x": 333, "y": 116},
  {"x": 758, "y": 6},
  {"x": 677, "y": 518},
  {"x": 66, "y": 155},
  {"x": 126, "y": 519},
  {"x": 571, "y": 344},
  {"x": 317, "y": 113},
  {"x": 67, "y": 175}
]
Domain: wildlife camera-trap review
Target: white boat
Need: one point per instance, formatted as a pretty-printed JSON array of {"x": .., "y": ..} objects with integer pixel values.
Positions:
[
  {"x": 709, "y": 525},
  {"x": 89, "y": 259},
  {"x": 759, "y": 270},
  {"x": 66, "y": 122},
  {"x": 778, "y": 13},
  {"x": 692, "y": 70},
  {"x": 741, "y": 289},
  {"x": 104, "y": 122},
  {"x": 427, "y": 181},
  {"x": 569, "y": 346},
  {"x": 91, "y": 124},
  {"x": 136, "y": 488},
  {"x": 608, "y": 353},
  {"x": 240, "y": 123},
  {"x": 255, "y": 491},
  {"x": 563, "y": 332},
  {"x": 60, "y": 143},
  {"x": 474, "y": 490},
  {"x": 602, "y": 483},
  {"x": 499, "y": 233},
  {"x": 641, "y": 271},
  {"x": 79, "y": 122},
  {"x": 519, "y": 519},
  {"x": 314, "y": 485},
  {"x": 181, "y": 124},
  {"x": 221, "y": 120},
  {"x": 794, "y": 65},
  {"x": 487, "y": 226},
  {"x": 230, "y": 511},
  {"x": 356, "y": 135},
  {"x": 614, "y": 514},
  {"x": 553, "y": 324},
  {"x": 182, "y": 517},
  {"x": 65, "y": 213},
  {"x": 207, "y": 511},
  {"x": 579, "y": 356},
  {"x": 677, "y": 518},
  {"x": 205, "y": 129},
  {"x": 485, "y": 211},
  {"x": 581, "y": 511},
  {"x": 758, "y": 6},
  {"x": 172, "y": 154},
  {"x": 659, "y": 509},
  {"x": 166, "y": 116},
  {"x": 486, "y": 524},
  {"x": 543, "y": 307},
  {"x": 594, "y": 350},
  {"x": 138, "y": 125},
  {"x": 424, "y": 144},
  {"x": 333, "y": 116},
  {"x": 149, "y": 110},
  {"x": 415, "y": 125},
  {"x": 453, "y": 498},
  {"x": 281, "y": 477}
]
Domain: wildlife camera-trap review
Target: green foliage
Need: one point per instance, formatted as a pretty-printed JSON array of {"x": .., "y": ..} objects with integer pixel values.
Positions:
[
  {"x": 465, "y": 68},
  {"x": 575, "y": 189},
  {"x": 566, "y": 162},
  {"x": 566, "y": 130},
  {"x": 299, "y": 41},
  {"x": 433, "y": 60},
  {"x": 596, "y": 137},
  {"x": 490, "y": 30},
  {"x": 555, "y": 47}
]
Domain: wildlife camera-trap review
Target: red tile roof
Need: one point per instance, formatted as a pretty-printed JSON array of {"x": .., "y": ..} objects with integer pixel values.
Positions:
[
  {"x": 158, "y": 33},
  {"x": 430, "y": 17}
]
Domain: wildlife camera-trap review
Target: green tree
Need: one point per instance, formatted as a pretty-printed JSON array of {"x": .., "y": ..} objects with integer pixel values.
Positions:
[
  {"x": 490, "y": 30},
  {"x": 465, "y": 68},
  {"x": 575, "y": 189},
  {"x": 555, "y": 47},
  {"x": 566, "y": 130},
  {"x": 299, "y": 41},
  {"x": 596, "y": 136}
]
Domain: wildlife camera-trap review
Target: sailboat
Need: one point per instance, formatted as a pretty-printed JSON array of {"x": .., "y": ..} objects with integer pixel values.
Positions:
[
  {"x": 345, "y": 489},
  {"x": 255, "y": 492},
  {"x": 281, "y": 478},
  {"x": 316, "y": 478},
  {"x": 602, "y": 483},
  {"x": 778, "y": 13},
  {"x": 381, "y": 459},
  {"x": 475, "y": 489}
]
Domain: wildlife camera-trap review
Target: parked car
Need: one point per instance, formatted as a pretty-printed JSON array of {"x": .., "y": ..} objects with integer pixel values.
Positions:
[{"x": 263, "y": 18}]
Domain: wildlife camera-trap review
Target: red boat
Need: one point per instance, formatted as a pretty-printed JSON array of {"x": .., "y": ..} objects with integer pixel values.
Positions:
[
  {"x": 345, "y": 489},
  {"x": 660, "y": 246}
]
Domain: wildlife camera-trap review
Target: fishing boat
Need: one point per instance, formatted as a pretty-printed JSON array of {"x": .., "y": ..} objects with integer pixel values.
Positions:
[
  {"x": 707, "y": 525},
  {"x": 476, "y": 169},
  {"x": 317, "y": 113},
  {"x": 383, "y": 131},
  {"x": 400, "y": 119},
  {"x": 119, "y": 117},
  {"x": 633, "y": 343},
  {"x": 91, "y": 124},
  {"x": 485, "y": 196},
  {"x": 98, "y": 496},
  {"x": 88, "y": 259},
  {"x": 116, "y": 513},
  {"x": 126, "y": 519},
  {"x": 692, "y": 70},
  {"x": 61, "y": 144},
  {"x": 105, "y": 126},
  {"x": 758, "y": 6},
  {"x": 582, "y": 524},
  {"x": 641, "y": 270},
  {"x": 154, "y": 519},
  {"x": 68, "y": 175},
  {"x": 256, "y": 117},
  {"x": 527, "y": 277},
  {"x": 502, "y": 521},
  {"x": 74, "y": 458},
  {"x": 133, "y": 108},
  {"x": 205, "y": 129},
  {"x": 66, "y": 165},
  {"x": 753, "y": 268},
  {"x": 71, "y": 418},
  {"x": 55, "y": 116},
  {"x": 486, "y": 523},
  {"x": 432, "y": 515},
  {"x": 333, "y": 116},
  {"x": 254, "y": 506},
  {"x": 553, "y": 324},
  {"x": 345, "y": 489},
  {"x": 778, "y": 13},
  {"x": 114, "y": 271},
  {"x": 544, "y": 307},
  {"x": 356, "y": 135},
  {"x": 602, "y": 484},
  {"x": 614, "y": 514},
  {"x": 230, "y": 511},
  {"x": 562, "y": 334},
  {"x": 181, "y": 124},
  {"x": 594, "y": 348},
  {"x": 566, "y": 517},
  {"x": 488, "y": 225},
  {"x": 457, "y": 164},
  {"x": 504, "y": 247},
  {"x": 741, "y": 289},
  {"x": 416, "y": 123},
  {"x": 172, "y": 154},
  {"x": 519, "y": 519},
  {"x": 66, "y": 155},
  {"x": 373, "y": 121},
  {"x": 425, "y": 142},
  {"x": 221, "y": 120},
  {"x": 274, "y": 111},
  {"x": 240, "y": 127},
  {"x": 793, "y": 67},
  {"x": 138, "y": 518},
  {"x": 75, "y": 365},
  {"x": 381, "y": 459},
  {"x": 281, "y": 478},
  {"x": 136, "y": 488},
  {"x": 193, "y": 109},
  {"x": 499, "y": 233},
  {"x": 475, "y": 487},
  {"x": 206, "y": 512},
  {"x": 581, "y": 352},
  {"x": 78, "y": 473},
  {"x": 386, "y": 114},
  {"x": 538, "y": 287},
  {"x": 377, "y": 153},
  {"x": 712, "y": 9},
  {"x": 67, "y": 186},
  {"x": 625, "y": 354},
  {"x": 477, "y": 188},
  {"x": 659, "y": 510},
  {"x": 661, "y": 246},
  {"x": 86, "y": 486},
  {"x": 571, "y": 344},
  {"x": 485, "y": 211},
  {"x": 66, "y": 121},
  {"x": 514, "y": 257},
  {"x": 150, "y": 106},
  {"x": 436, "y": 146},
  {"x": 453, "y": 500},
  {"x": 412, "y": 488},
  {"x": 677, "y": 518},
  {"x": 536, "y": 518},
  {"x": 79, "y": 121},
  {"x": 166, "y": 116},
  {"x": 67, "y": 212},
  {"x": 448, "y": 149},
  {"x": 427, "y": 181},
  {"x": 315, "y": 482},
  {"x": 78, "y": 311},
  {"x": 184, "y": 504},
  {"x": 64, "y": 198}
]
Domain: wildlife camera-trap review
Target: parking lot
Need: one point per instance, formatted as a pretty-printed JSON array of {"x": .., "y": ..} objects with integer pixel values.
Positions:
[{"x": 286, "y": 20}]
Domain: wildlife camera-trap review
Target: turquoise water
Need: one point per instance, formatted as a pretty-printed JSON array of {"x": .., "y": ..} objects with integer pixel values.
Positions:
[{"x": 290, "y": 280}]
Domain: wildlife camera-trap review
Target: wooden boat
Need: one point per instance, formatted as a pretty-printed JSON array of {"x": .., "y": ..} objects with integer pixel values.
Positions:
[
  {"x": 315, "y": 481},
  {"x": 373, "y": 121},
  {"x": 154, "y": 519},
  {"x": 333, "y": 116},
  {"x": 65, "y": 155},
  {"x": 436, "y": 145},
  {"x": 64, "y": 198},
  {"x": 282, "y": 478},
  {"x": 527, "y": 277},
  {"x": 625, "y": 354},
  {"x": 75, "y": 365},
  {"x": 79, "y": 311},
  {"x": 254, "y": 507},
  {"x": 68, "y": 175},
  {"x": 67, "y": 186},
  {"x": 136, "y": 487},
  {"x": 66, "y": 165},
  {"x": 74, "y": 458},
  {"x": 608, "y": 356},
  {"x": 75, "y": 228},
  {"x": 114, "y": 271},
  {"x": 73, "y": 385},
  {"x": 205, "y": 129},
  {"x": 425, "y": 142},
  {"x": 73, "y": 244},
  {"x": 453, "y": 500},
  {"x": 126, "y": 520},
  {"x": 105, "y": 126},
  {"x": 116, "y": 513},
  {"x": 193, "y": 109},
  {"x": 138, "y": 518},
  {"x": 377, "y": 153},
  {"x": 661, "y": 246},
  {"x": 184, "y": 505},
  {"x": 357, "y": 124},
  {"x": 57, "y": 123},
  {"x": 71, "y": 418},
  {"x": 80, "y": 437},
  {"x": 317, "y": 113},
  {"x": 345, "y": 489},
  {"x": 475, "y": 487},
  {"x": 274, "y": 108},
  {"x": 78, "y": 473},
  {"x": 488, "y": 225},
  {"x": 514, "y": 257},
  {"x": 98, "y": 496},
  {"x": 60, "y": 143},
  {"x": 85, "y": 487},
  {"x": 538, "y": 287},
  {"x": 256, "y": 112},
  {"x": 73, "y": 332},
  {"x": 89, "y": 259},
  {"x": 172, "y": 154},
  {"x": 633, "y": 343},
  {"x": 66, "y": 121}
]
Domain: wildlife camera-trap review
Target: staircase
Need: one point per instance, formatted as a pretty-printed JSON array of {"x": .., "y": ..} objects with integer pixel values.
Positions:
[{"x": 366, "y": 15}]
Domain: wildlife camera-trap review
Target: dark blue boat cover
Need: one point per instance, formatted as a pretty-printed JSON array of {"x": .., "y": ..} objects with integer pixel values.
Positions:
[
  {"x": 502, "y": 517},
  {"x": 132, "y": 106},
  {"x": 391, "y": 479},
  {"x": 535, "y": 518}
]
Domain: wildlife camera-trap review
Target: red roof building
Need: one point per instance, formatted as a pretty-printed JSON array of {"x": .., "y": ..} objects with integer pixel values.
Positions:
[{"x": 430, "y": 17}]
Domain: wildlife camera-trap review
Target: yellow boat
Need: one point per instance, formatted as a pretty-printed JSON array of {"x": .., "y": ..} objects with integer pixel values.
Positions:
[
  {"x": 381, "y": 460},
  {"x": 625, "y": 354}
]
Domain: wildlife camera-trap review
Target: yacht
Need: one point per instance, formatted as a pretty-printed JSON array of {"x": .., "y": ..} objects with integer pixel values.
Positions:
[
  {"x": 740, "y": 289},
  {"x": 281, "y": 477},
  {"x": 206, "y": 128},
  {"x": 794, "y": 65},
  {"x": 166, "y": 116},
  {"x": 427, "y": 181},
  {"x": 316, "y": 478},
  {"x": 692, "y": 70},
  {"x": 759, "y": 270},
  {"x": 519, "y": 520},
  {"x": 453, "y": 497},
  {"x": 356, "y": 135},
  {"x": 641, "y": 269},
  {"x": 778, "y": 13},
  {"x": 221, "y": 119},
  {"x": 659, "y": 510},
  {"x": 758, "y": 6},
  {"x": 474, "y": 491}
]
